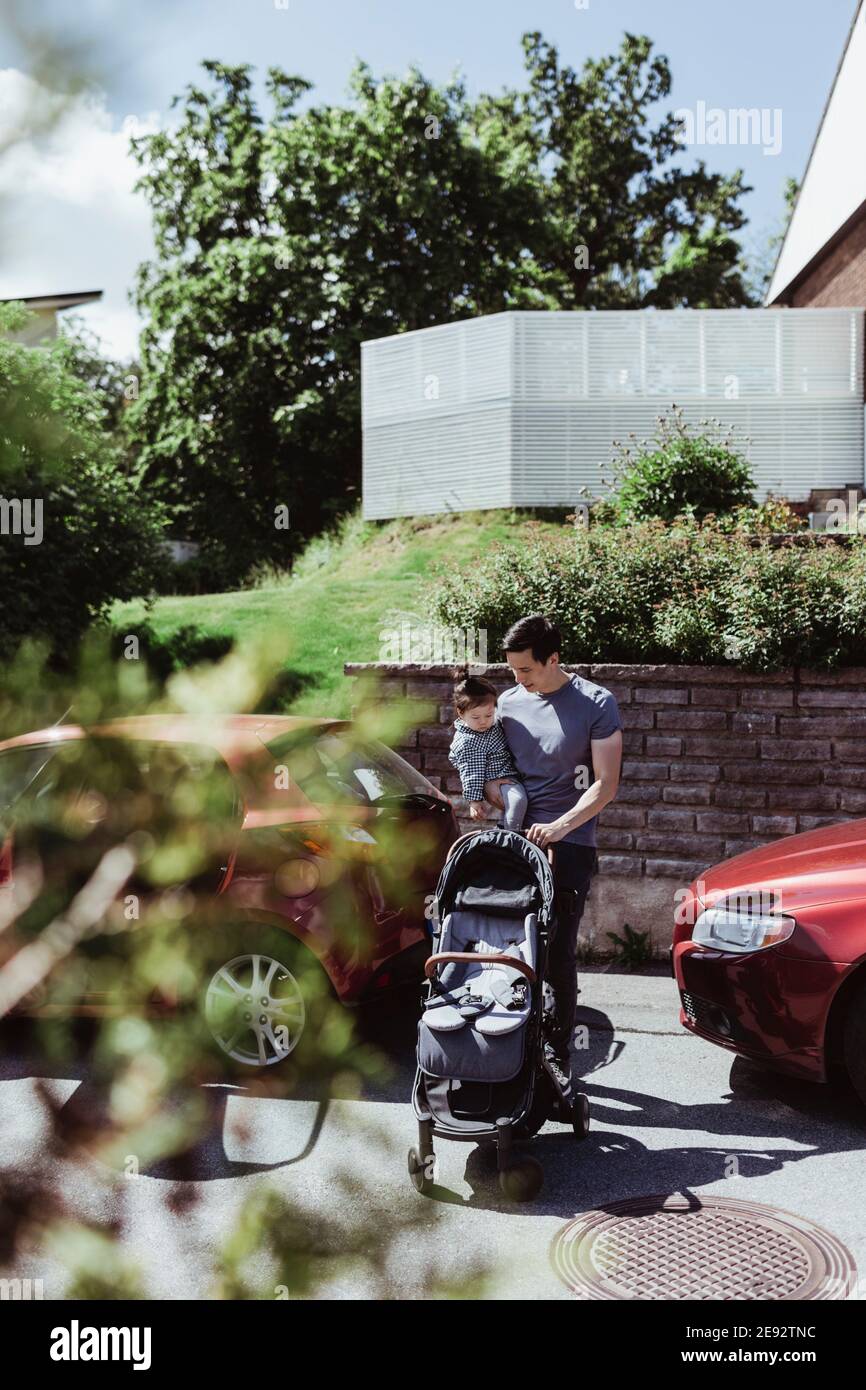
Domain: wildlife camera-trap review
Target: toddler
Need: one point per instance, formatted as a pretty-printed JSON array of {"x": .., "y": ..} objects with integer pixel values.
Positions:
[{"x": 481, "y": 755}]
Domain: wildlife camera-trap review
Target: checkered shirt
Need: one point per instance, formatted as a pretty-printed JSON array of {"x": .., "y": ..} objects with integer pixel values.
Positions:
[{"x": 480, "y": 756}]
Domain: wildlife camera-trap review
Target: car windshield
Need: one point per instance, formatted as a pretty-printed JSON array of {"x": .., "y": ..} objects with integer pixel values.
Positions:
[{"x": 330, "y": 767}]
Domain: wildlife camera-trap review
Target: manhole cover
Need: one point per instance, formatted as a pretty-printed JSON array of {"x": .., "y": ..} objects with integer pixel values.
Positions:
[{"x": 676, "y": 1247}]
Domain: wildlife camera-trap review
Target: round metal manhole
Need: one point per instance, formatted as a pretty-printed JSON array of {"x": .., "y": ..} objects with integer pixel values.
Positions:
[{"x": 678, "y": 1247}]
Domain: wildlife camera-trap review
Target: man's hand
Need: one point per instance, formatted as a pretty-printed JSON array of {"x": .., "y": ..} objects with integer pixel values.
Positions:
[
  {"x": 544, "y": 835},
  {"x": 477, "y": 811}
]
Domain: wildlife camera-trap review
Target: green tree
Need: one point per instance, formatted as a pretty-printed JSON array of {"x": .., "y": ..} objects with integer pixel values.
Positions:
[
  {"x": 115, "y": 382},
  {"x": 75, "y": 531},
  {"x": 282, "y": 244},
  {"x": 765, "y": 247},
  {"x": 278, "y": 251},
  {"x": 624, "y": 227}
]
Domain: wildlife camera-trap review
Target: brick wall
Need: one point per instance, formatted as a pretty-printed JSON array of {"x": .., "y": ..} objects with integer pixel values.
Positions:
[
  {"x": 839, "y": 279},
  {"x": 715, "y": 762}
]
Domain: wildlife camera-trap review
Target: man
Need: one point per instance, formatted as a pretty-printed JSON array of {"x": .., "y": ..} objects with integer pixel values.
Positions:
[{"x": 565, "y": 737}]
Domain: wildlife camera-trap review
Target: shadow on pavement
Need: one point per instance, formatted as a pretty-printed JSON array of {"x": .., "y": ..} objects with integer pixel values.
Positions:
[{"x": 611, "y": 1164}]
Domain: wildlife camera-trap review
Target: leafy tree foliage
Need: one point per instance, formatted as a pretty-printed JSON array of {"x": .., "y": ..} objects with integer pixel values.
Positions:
[
  {"x": 651, "y": 233},
  {"x": 75, "y": 531},
  {"x": 116, "y": 382},
  {"x": 282, "y": 244}
]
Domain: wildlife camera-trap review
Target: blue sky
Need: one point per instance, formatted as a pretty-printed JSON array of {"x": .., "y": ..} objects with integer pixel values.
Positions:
[{"x": 72, "y": 222}]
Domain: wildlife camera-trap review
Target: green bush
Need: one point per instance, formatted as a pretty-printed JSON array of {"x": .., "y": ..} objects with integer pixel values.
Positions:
[
  {"x": 774, "y": 516},
  {"x": 678, "y": 472},
  {"x": 100, "y": 538},
  {"x": 692, "y": 592}
]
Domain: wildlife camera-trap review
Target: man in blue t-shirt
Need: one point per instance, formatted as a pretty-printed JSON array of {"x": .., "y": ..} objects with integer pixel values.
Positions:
[{"x": 565, "y": 737}]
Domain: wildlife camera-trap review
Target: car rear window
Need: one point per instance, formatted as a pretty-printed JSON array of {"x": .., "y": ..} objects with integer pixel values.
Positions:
[{"x": 32, "y": 775}]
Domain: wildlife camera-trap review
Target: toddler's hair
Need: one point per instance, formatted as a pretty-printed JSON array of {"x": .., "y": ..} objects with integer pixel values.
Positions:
[{"x": 474, "y": 690}]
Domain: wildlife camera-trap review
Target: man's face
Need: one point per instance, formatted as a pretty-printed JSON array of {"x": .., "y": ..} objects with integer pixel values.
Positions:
[{"x": 538, "y": 676}]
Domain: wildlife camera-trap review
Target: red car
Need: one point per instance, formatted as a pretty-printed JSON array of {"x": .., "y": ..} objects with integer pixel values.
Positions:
[
  {"x": 313, "y": 817},
  {"x": 769, "y": 954}
]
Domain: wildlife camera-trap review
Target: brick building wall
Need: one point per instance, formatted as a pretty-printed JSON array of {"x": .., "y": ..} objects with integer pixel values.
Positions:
[
  {"x": 715, "y": 762},
  {"x": 839, "y": 278}
]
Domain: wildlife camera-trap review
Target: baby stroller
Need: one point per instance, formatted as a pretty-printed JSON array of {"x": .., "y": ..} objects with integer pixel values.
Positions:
[{"x": 481, "y": 1073}]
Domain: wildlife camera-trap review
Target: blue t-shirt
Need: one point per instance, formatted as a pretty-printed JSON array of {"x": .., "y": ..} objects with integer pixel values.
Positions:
[{"x": 549, "y": 737}]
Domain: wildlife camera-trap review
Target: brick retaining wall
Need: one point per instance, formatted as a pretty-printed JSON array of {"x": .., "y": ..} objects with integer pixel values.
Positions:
[{"x": 715, "y": 762}]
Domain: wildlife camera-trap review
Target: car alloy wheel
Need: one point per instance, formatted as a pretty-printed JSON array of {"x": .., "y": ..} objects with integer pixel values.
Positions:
[{"x": 255, "y": 1010}]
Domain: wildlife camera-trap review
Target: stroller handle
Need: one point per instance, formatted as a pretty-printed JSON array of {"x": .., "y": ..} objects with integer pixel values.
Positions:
[{"x": 441, "y": 957}]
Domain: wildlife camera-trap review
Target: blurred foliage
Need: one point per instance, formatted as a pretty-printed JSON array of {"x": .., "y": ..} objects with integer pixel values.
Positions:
[
  {"x": 112, "y": 848},
  {"x": 61, "y": 64},
  {"x": 150, "y": 949},
  {"x": 165, "y": 652},
  {"x": 100, "y": 1269},
  {"x": 304, "y": 1259}
]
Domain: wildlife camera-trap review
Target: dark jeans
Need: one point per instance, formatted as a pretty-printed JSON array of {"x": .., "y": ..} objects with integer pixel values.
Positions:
[{"x": 573, "y": 867}]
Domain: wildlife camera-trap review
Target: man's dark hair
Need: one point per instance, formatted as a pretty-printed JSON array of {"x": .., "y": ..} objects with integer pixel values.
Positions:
[
  {"x": 474, "y": 690},
  {"x": 536, "y": 632}
]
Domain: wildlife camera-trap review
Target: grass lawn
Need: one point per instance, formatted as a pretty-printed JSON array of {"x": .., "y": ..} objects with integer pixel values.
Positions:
[{"x": 338, "y": 599}]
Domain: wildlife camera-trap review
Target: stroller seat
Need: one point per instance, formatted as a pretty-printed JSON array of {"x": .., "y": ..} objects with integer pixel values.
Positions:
[
  {"x": 475, "y": 1004},
  {"x": 489, "y": 997}
]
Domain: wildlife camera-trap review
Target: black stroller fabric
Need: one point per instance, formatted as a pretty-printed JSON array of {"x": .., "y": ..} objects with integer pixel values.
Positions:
[{"x": 503, "y": 902}]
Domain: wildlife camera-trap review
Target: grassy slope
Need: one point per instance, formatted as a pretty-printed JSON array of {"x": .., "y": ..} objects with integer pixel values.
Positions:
[{"x": 336, "y": 603}]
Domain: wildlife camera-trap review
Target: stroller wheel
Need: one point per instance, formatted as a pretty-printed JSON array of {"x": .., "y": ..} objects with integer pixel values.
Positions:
[
  {"x": 521, "y": 1179},
  {"x": 580, "y": 1116},
  {"x": 420, "y": 1170}
]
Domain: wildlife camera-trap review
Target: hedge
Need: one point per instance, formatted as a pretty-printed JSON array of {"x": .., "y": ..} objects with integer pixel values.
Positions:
[{"x": 690, "y": 592}]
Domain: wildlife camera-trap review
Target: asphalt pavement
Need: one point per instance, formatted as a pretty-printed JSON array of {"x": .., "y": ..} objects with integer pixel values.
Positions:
[{"x": 670, "y": 1113}]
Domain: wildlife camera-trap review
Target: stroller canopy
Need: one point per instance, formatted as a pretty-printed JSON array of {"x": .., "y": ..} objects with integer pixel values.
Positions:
[{"x": 499, "y": 871}]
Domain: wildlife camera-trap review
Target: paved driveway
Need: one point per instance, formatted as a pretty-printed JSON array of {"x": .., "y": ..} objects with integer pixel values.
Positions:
[{"x": 670, "y": 1113}]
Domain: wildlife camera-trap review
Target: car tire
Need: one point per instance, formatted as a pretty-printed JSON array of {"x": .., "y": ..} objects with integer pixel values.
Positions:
[{"x": 854, "y": 1041}]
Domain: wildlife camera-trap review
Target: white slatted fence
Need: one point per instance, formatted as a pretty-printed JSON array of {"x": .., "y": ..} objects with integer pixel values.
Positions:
[{"x": 521, "y": 408}]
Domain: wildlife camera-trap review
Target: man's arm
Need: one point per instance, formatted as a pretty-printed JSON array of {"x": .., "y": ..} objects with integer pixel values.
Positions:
[{"x": 606, "y": 762}]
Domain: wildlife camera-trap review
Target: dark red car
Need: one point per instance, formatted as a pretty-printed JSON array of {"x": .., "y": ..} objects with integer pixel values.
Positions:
[
  {"x": 313, "y": 816},
  {"x": 769, "y": 953}
]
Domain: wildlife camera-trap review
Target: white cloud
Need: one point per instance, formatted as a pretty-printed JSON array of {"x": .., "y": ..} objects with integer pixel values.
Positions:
[{"x": 69, "y": 219}]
